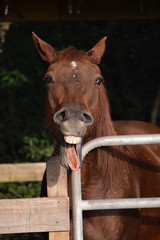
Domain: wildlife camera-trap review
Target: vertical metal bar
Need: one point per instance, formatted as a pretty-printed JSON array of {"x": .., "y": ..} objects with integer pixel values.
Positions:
[{"x": 76, "y": 205}]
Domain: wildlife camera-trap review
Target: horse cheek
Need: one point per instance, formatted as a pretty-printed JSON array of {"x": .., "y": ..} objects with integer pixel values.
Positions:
[
  {"x": 54, "y": 98},
  {"x": 50, "y": 109},
  {"x": 93, "y": 100}
]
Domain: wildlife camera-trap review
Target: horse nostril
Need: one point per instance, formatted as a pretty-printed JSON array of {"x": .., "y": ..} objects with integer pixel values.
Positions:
[
  {"x": 63, "y": 115},
  {"x": 60, "y": 116},
  {"x": 87, "y": 118}
]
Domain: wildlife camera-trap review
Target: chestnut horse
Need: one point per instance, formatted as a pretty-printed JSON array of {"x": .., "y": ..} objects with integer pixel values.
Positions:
[{"x": 77, "y": 110}]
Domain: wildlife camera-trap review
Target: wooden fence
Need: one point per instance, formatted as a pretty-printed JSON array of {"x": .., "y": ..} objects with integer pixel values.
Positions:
[
  {"x": 49, "y": 214},
  {"x": 22, "y": 172}
]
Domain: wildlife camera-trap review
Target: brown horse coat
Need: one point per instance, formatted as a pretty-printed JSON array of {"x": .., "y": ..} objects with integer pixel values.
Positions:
[{"x": 77, "y": 109}]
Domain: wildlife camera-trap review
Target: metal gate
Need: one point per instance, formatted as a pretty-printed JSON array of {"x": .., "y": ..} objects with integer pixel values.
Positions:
[{"x": 78, "y": 205}]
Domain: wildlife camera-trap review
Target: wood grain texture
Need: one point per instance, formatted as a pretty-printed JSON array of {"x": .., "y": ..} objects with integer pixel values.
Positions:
[
  {"x": 22, "y": 172},
  {"x": 56, "y": 178},
  {"x": 57, "y": 187},
  {"x": 34, "y": 215}
]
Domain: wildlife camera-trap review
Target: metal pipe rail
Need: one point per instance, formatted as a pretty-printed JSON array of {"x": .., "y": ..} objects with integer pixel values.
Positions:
[
  {"x": 119, "y": 141},
  {"x": 123, "y": 203},
  {"x": 78, "y": 205}
]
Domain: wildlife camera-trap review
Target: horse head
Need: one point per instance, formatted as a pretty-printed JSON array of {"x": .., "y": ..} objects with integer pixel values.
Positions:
[{"x": 73, "y": 80}]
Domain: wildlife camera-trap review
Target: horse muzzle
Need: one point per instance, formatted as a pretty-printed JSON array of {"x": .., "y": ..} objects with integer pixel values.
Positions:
[{"x": 73, "y": 123}]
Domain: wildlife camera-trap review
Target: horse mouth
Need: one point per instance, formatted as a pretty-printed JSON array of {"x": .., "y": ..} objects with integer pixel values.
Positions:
[{"x": 71, "y": 152}]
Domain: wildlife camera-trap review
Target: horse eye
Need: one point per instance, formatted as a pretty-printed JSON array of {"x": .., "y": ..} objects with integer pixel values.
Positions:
[
  {"x": 99, "y": 81},
  {"x": 48, "y": 79}
]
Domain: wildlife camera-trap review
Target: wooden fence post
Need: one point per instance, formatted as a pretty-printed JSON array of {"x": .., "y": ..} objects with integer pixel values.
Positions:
[{"x": 56, "y": 187}]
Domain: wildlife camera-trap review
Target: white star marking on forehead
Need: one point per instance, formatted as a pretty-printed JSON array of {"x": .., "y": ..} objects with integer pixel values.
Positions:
[{"x": 74, "y": 64}]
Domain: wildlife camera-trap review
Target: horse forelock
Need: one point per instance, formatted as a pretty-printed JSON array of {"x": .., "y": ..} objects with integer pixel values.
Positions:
[{"x": 72, "y": 54}]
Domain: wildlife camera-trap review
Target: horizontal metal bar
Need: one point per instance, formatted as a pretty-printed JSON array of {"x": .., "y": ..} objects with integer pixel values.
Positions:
[
  {"x": 120, "y": 140},
  {"x": 124, "y": 203}
]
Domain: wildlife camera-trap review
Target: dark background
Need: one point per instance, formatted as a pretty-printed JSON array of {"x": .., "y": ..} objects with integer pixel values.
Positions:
[{"x": 130, "y": 66}]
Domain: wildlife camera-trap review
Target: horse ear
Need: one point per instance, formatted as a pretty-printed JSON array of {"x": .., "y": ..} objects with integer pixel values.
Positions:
[
  {"x": 97, "y": 51},
  {"x": 46, "y": 51}
]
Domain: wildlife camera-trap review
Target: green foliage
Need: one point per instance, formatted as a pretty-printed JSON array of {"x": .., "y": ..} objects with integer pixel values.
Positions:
[
  {"x": 35, "y": 149},
  {"x": 20, "y": 118},
  {"x": 20, "y": 190},
  {"x": 11, "y": 79}
]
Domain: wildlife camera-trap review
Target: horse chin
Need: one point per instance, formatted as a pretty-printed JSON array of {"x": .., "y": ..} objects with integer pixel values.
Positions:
[{"x": 71, "y": 152}]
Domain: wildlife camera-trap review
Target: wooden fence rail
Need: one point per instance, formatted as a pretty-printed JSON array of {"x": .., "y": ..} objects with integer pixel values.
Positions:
[
  {"x": 33, "y": 215},
  {"x": 22, "y": 172},
  {"x": 50, "y": 214}
]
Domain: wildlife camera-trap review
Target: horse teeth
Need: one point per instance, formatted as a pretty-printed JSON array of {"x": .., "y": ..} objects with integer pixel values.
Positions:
[{"x": 72, "y": 139}]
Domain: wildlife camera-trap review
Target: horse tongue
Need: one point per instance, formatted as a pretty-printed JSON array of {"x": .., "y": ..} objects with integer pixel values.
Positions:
[{"x": 72, "y": 157}]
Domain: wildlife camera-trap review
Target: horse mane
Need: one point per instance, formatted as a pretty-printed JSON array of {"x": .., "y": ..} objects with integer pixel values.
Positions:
[
  {"x": 109, "y": 157},
  {"x": 106, "y": 156},
  {"x": 105, "y": 125}
]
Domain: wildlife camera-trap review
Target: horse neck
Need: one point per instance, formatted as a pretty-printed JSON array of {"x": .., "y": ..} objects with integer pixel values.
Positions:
[
  {"x": 105, "y": 157},
  {"x": 103, "y": 123}
]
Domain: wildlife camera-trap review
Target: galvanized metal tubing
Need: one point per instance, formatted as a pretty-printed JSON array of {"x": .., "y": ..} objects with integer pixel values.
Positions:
[
  {"x": 78, "y": 205},
  {"x": 123, "y": 203},
  {"x": 120, "y": 140}
]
